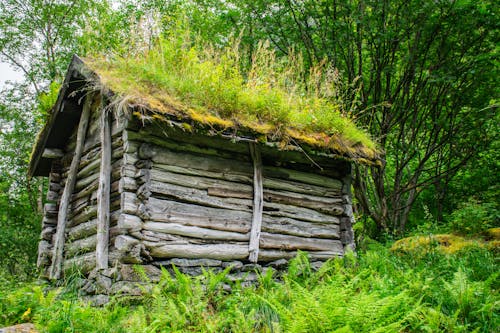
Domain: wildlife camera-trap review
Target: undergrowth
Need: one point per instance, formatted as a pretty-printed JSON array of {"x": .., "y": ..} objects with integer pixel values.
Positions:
[
  {"x": 176, "y": 73},
  {"x": 376, "y": 291}
]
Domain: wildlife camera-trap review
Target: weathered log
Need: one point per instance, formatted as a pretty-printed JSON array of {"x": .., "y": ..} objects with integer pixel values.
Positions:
[
  {"x": 46, "y": 220},
  {"x": 52, "y": 153},
  {"x": 129, "y": 222},
  {"x": 181, "y": 213},
  {"x": 280, "y": 184},
  {"x": 153, "y": 236},
  {"x": 90, "y": 212},
  {"x": 44, "y": 254},
  {"x": 127, "y": 184},
  {"x": 130, "y": 158},
  {"x": 199, "y": 147},
  {"x": 200, "y": 197},
  {"x": 103, "y": 191},
  {"x": 81, "y": 246},
  {"x": 53, "y": 186},
  {"x": 229, "y": 193},
  {"x": 47, "y": 233},
  {"x": 50, "y": 210},
  {"x": 89, "y": 169},
  {"x": 212, "y": 251},
  {"x": 83, "y": 182},
  {"x": 128, "y": 170},
  {"x": 300, "y": 213},
  {"x": 288, "y": 226},
  {"x": 163, "y": 156},
  {"x": 238, "y": 178},
  {"x": 287, "y": 242},
  {"x": 194, "y": 232},
  {"x": 302, "y": 177},
  {"x": 326, "y": 205},
  {"x": 258, "y": 202},
  {"x": 82, "y": 264},
  {"x": 129, "y": 203},
  {"x": 57, "y": 257},
  {"x": 272, "y": 255},
  {"x": 195, "y": 181},
  {"x": 83, "y": 230}
]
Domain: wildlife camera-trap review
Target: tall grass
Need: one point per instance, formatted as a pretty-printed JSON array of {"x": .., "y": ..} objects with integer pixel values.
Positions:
[
  {"x": 177, "y": 72},
  {"x": 377, "y": 291}
]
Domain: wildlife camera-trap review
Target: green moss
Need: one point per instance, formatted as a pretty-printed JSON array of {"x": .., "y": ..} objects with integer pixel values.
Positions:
[{"x": 176, "y": 77}]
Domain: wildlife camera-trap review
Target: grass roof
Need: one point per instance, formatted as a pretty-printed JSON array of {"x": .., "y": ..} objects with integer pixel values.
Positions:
[{"x": 269, "y": 99}]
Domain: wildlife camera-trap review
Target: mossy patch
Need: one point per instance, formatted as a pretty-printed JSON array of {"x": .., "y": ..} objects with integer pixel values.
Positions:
[{"x": 445, "y": 243}]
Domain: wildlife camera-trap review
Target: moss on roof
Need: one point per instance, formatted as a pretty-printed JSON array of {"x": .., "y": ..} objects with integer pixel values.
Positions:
[{"x": 209, "y": 88}]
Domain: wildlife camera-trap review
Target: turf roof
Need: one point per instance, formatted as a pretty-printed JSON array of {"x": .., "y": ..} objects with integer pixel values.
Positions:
[
  {"x": 135, "y": 84},
  {"x": 185, "y": 94}
]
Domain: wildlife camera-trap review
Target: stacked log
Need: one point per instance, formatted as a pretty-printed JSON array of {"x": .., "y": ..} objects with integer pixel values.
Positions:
[{"x": 195, "y": 203}]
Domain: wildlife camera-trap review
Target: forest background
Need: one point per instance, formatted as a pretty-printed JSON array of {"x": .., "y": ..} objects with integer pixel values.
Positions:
[{"x": 420, "y": 76}]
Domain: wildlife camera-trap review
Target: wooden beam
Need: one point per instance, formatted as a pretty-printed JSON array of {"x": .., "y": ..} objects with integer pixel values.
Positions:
[
  {"x": 57, "y": 256},
  {"x": 52, "y": 153},
  {"x": 258, "y": 202},
  {"x": 103, "y": 191}
]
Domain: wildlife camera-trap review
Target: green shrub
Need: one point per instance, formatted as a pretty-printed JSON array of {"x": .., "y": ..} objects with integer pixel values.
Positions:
[{"x": 473, "y": 217}]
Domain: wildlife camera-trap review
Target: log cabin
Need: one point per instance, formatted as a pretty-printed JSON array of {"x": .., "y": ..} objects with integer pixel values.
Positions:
[{"x": 141, "y": 182}]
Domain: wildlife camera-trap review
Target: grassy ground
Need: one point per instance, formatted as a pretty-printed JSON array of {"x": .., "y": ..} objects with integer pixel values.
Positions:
[{"x": 422, "y": 289}]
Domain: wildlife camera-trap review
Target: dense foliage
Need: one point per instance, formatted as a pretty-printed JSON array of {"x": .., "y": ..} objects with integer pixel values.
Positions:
[
  {"x": 378, "y": 291},
  {"x": 420, "y": 76}
]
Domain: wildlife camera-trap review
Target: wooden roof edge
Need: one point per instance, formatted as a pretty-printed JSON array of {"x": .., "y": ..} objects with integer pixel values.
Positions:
[{"x": 77, "y": 66}]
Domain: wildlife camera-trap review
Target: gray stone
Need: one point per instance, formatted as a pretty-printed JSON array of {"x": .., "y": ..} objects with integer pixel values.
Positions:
[{"x": 278, "y": 264}]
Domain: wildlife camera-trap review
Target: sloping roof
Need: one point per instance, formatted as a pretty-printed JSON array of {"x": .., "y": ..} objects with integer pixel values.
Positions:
[{"x": 83, "y": 76}]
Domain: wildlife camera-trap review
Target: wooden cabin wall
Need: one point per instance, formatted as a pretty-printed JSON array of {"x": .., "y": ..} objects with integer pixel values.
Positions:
[
  {"x": 81, "y": 227},
  {"x": 193, "y": 205},
  {"x": 49, "y": 220}
]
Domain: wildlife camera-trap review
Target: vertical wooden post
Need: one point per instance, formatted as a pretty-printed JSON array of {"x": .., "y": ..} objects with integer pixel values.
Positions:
[
  {"x": 258, "y": 202},
  {"x": 57, "y": 253},
  {"x": 103, "y": 191}
]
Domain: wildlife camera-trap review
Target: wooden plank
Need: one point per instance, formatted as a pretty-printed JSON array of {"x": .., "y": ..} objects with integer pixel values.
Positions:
[
  {"x": 57, "y": 256},
  {"x": 210, "y": 251},
  {"x": 258, "y": 202},
  {"x": 103, "y": 191},
  {"x": 194, "y": 232},
  {"x": 52, "y": 153}
]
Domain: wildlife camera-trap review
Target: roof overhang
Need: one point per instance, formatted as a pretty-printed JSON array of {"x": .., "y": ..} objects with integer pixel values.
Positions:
[{"x": 62, "y": 119}]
